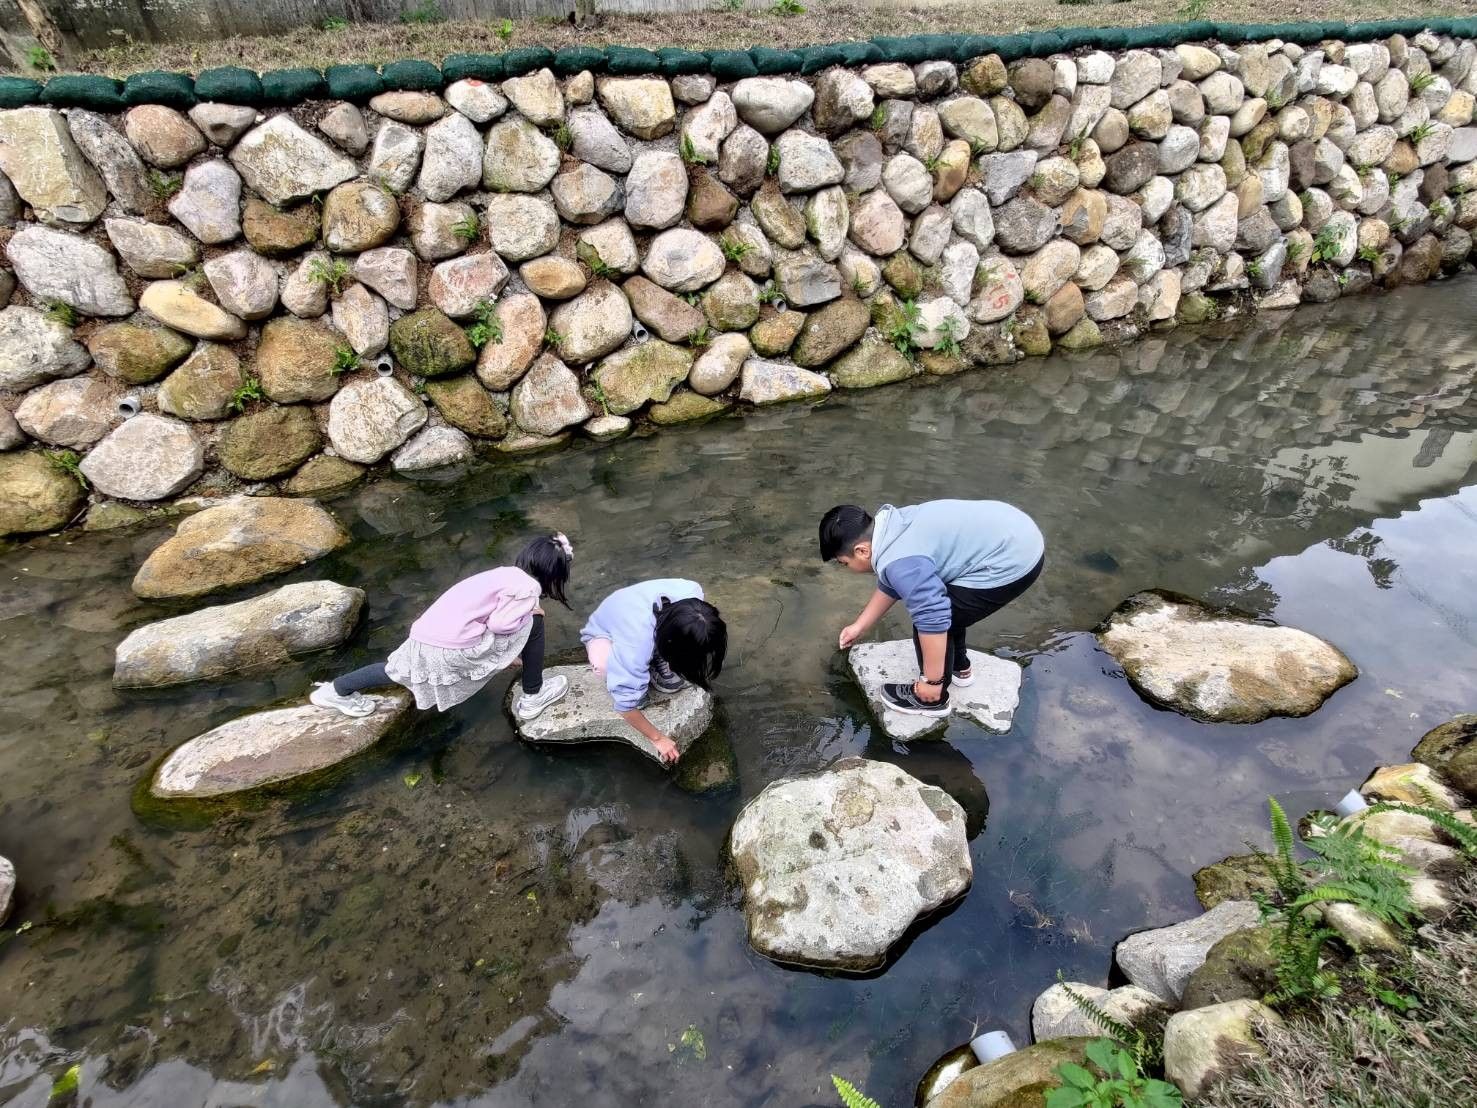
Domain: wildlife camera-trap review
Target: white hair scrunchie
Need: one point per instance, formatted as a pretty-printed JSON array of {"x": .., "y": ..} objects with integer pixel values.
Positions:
[{"x": 564, "y": 544}]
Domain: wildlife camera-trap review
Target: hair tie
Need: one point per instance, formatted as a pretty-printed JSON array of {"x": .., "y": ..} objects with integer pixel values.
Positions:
[{"x": 564, "y": 544}]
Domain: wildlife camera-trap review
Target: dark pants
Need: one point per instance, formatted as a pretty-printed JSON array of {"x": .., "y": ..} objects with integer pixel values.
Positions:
[
  {"x": 375, "y": 676},
  {"x": 966, "y": 608}
]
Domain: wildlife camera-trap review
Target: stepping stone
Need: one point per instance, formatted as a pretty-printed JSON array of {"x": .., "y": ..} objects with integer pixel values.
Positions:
[
  {"x": 228, "y": 638},
  {"x": 268, "y": 748},
  {"x": 1162, "y": 959},
  {"x": 990, "y": 702},
  {"x": 1217, "y": 665},
  {"x": 587, "y": 715},
  {"x": 1054, "y": 1015},
  {"x": 837, "y": 865}
]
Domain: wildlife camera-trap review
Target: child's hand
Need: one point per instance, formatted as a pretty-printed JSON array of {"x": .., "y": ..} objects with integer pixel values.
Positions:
[
  {"x": 849, "y": 634},
  {"x": 666, "y": 750}
]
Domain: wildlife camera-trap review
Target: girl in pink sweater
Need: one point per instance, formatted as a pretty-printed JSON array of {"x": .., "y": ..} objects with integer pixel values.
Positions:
[{"x": 475, "y": 629}]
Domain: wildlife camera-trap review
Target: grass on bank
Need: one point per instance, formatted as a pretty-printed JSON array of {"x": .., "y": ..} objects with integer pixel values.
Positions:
[
  {"x": 1408, "y": 1041},
  {"x": 721, "y": 27}
]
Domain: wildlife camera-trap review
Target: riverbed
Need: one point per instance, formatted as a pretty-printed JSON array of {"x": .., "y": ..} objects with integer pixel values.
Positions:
[{"x": 464, "y": 920}]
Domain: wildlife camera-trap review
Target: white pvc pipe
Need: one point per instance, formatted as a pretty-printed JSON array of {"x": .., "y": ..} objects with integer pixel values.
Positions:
[
  {"x": 991, "y": 1045},
  {"x": 639, "y": 332},
  {"x": 384, "y": 366},
  {"x": 129, "y": 406},
  {"x": 1352, "y": 802}
]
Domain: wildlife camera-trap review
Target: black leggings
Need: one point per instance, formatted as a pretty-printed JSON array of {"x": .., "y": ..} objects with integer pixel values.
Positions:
[
  {"x": 375, "y": 676},
  {"x": 966, "y": 608}
]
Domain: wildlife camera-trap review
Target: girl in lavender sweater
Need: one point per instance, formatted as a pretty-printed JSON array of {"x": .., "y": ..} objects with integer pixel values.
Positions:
[{"x": 475, "y": 629}]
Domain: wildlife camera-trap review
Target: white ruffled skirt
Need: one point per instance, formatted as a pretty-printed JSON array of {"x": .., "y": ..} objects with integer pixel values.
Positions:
[{"x": 443, "y": 678}]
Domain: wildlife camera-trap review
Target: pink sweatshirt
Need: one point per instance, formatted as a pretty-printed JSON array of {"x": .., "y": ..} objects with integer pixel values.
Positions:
[{"x": 501, "y": 600}]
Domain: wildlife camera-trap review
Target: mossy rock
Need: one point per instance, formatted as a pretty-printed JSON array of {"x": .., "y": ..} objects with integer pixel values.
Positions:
[
  {"x": 1238, "y": 877},
  {"x": 202, "y": 387},
  {"x": 830, "y": 331},
  {"x": 276, "y": 232},
  {"x": 774, "y": 335},
  {"x": 731, "y": 303},
  {"x": 137, "y": 355},
  {"x": 322, "y": 475},
  {"x": 650, "y": 371},
  {"x": 871, "y": 364},
  {"x": 1451, "y": 750},
  {"x": 1196, "y": 307},
  {"x": 464, "y": 403},
  {"x": 269, "y": 443},
  {"x": 296, "y": 360},
  {"x": 36, "y": 494},
  {"x": 428, "y": 344},
  {"x": 936, "y": 363},
  {"x": 1032, "y": 337},
  {"x": 1241, "y": 966},
  {"x": 904, "y": 274},
  {"x": 1018, "y": 1080},
  {"x": 686, "y": 406},
  {"x": 1084, "y": 335}
]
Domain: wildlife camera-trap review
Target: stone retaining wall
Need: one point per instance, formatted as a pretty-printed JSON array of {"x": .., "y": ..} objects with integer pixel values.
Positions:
[{"x": 288, "y": 296}]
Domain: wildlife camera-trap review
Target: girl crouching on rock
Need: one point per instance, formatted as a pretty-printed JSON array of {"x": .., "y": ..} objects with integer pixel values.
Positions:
[
  {"x": 475, "y": 629},
  {"x": 654, "y": 636}
]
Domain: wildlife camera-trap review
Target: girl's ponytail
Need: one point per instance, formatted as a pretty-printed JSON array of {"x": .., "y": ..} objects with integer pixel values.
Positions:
[{"x": 547, "y": 560}]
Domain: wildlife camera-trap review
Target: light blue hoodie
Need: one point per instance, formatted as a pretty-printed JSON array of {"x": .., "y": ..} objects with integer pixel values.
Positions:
[
  {"x": 976, "y": 544},
  {"x": 627, "y": 617}
]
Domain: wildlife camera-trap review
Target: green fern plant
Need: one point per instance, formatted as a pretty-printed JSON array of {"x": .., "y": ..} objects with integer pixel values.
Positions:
[
  {"x": 1463, "y": 834},
  {"x": 553, "y": 338},
  {"x": 850, "y": 1095},
  {"x": 599, "y": 392},
  {"x": 67, "y": 461},
  {"x": 332, "y": 273},
  {"x": 1146, "y": 1050},
  {"x": 1295, "y": 250},
  {"x": 770, "y": 294},
  {"x": 163, "y": 185},
  {"x": 735, "y": 249}
]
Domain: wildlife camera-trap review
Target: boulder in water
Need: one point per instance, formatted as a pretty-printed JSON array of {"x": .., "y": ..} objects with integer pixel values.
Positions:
[
  {"x": 586, "y": 714},
  {"x": 1451, "y": 750},
  {"x": 1018, "y": 1080},
  {"x": 1055, "y": 1015},
  {"x": 1217, "y": 665},
  {"x": 268, "y": 748},
  {"x": 990, "y": 702},
  {"x": 243, "y": 540},
  {"x": 1162, "y": 959},
  {"x": 837, "y": 865},
  {"x": 229, "y": 638}
]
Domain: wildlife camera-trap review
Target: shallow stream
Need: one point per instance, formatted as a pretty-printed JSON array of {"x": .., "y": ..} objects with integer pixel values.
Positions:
[{"x": 464, "y": 920}]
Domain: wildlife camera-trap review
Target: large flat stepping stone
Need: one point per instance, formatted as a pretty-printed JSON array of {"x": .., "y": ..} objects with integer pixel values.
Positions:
[
  {"x": 587, "y": 715},
  {"x": 837, "y": 865},
  {"x": 990, "y": 702},
  {"x": 265, "y": 630},
  {"x": 1217, "y": 665},
  {"x": 239, "y": 542},
  {"x": 267, "y": 748},
  {"x": 1162, "y": 959}
]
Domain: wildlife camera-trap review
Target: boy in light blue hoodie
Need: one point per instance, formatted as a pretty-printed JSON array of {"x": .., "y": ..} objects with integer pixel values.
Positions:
[
  {"x": 654, "y": 635},
  {"x": 952, "y": 563}
]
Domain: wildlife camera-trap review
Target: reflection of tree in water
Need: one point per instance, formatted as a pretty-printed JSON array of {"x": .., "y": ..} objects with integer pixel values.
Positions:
[{"x": 1366, "y": 544}]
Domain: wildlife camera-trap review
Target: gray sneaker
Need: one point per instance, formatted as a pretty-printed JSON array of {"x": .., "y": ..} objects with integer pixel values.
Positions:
[
  {"x": 529, "y": 705},
  {"x": 663, "y": 679}
]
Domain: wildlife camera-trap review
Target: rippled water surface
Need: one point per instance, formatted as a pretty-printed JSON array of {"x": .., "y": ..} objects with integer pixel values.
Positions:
[{"x": 526, "y": 928}]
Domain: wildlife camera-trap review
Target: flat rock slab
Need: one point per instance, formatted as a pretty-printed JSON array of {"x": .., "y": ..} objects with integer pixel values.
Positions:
[
  {"x": 837, "y": 865},
  {"x": 1161, "y": 960},
  {"x": 267, "y": 748},
  {"x": 1217, "y": 665},
  {"x": 990, "y": 702},
  {"x": 228, "y": 638},
  {"x": 587, "y": 715}
]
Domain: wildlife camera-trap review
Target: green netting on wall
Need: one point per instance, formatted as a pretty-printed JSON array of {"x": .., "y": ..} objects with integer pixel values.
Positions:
[
  {"x": 473, "y": 67},
  {"x": 230, "y": 84},
  {"x": 101, "y": 94},
  {"x": 412, "y": 76},
  {"x": 291, "y": 86},
  {"x": 17, "y": 92},
  {"x": 353, "y": 82},
  {"x": 176, "y": 90}
]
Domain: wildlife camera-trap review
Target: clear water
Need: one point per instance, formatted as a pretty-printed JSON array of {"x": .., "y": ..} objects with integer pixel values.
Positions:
[{"x": 525, "y": 928}]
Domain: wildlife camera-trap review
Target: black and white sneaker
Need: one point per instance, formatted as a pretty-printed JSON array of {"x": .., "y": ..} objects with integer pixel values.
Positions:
[
  {"x": 901, "y": 698},
  {"x": 663, "y": 680}
]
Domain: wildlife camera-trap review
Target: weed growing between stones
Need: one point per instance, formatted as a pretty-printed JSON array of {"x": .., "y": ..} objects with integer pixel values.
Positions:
[
  {"x": 249, "y": 391},
  {"x": 487, "y": 328},
  {"x": 1422, "y": 81},
  {"x": 67, "y": 461},
  {"x": 902, "y": 327},
  {"x": 332, "y": 273},
  {"x": 702, "y": 337},
  {"x": 553, "y": 339},
  {"x": 38, "y": 57},
  {"x": 1327, "y": 244},
  {"x": 948, "y": 342},
  {"x": 562, "y": 137},
  {"x": 600, "y": 398},
  {"x": 344, "y": 359},
  {"x": 1121, "y": 1083},
  {"x": 163, "y": 185},
  {"x": 734, "y": 249},
  {"x": 505, "y": 30},
  {"x": 770, "y": 294},
  {"x": 772, "y": 163},
  {"x": 879, "y": 118},
  {"x": 467, "y": 228},
  {"x": 1369, "y": 254},
  {"x": 598, "y": 269},
  {"x": 689, "y": 152},
  {"x": 59, "y": 311},
  {"x": 1421, "y": 132}
]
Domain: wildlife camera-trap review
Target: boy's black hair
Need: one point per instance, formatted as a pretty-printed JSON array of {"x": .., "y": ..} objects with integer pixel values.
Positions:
[
  {"x": 842, "y": 528},
  {"x": 692, "y": 638},
  {"x": 545, "y": 560}
]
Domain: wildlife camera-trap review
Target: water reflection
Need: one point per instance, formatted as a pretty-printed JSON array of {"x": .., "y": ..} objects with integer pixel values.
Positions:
[{"x": 526, "y": 928}]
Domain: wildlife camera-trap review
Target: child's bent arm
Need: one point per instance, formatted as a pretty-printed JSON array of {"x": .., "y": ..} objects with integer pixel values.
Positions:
[
  {"x": 666, "y": 749},
  {"x": 876, "y": 608}
]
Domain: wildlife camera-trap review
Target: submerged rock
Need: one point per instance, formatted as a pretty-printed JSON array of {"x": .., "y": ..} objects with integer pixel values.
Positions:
[
  {"x": 1238, "y": 877},
  {"x": 1019, "y": 1080},
  {"x": 1054, "y": 1015},
  {"x": 243, "y": 540},
  {"x": 1162, "y": 959},
  {"x": 1414, "y": 783},
  {"x": 1220, "y": 666},
  {"x": 267, "y": 748},
  {"x": 990, "y": 702},
  {"x": 586, "y": 714},
  {"x": 1207, "y": 1043},
  {"x": 837, "y": 865},
  {"x": 265, "y": 630}
]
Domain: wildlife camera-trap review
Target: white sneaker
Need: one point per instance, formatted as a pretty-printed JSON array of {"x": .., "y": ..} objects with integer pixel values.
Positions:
[
  {"x": 529, "y": 705},
  {"x": 355, "y": 704},
  {"x": 963, "y": 678}
]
